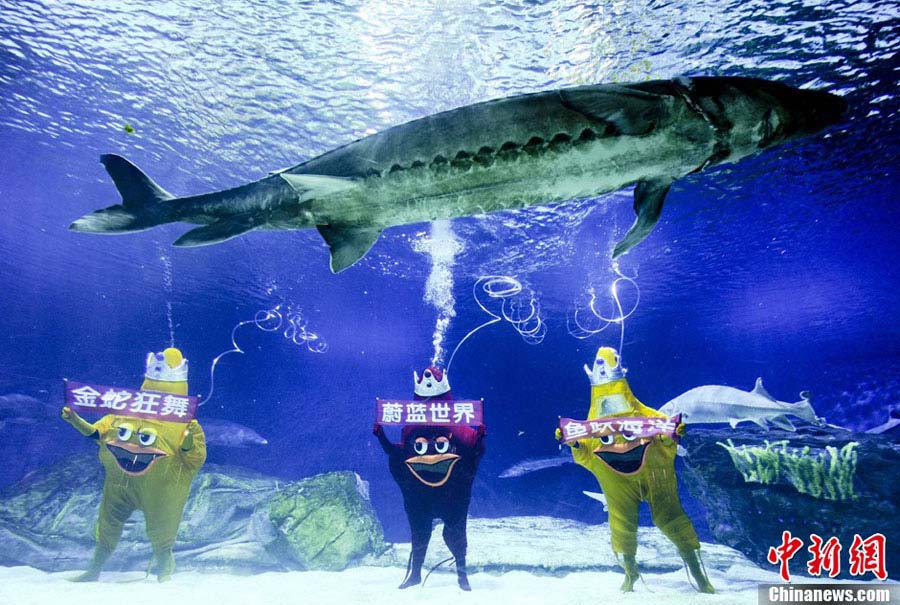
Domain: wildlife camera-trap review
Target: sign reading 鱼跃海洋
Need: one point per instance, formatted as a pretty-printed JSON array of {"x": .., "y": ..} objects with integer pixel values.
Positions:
[
  {"x": 450, "y": 412},
  {"x": 630, "y": 426},
  {"x": 154, "y": 405}
]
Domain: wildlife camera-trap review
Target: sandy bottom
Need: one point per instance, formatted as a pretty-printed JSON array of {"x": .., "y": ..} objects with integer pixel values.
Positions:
[{"x": 370, "y": 586}]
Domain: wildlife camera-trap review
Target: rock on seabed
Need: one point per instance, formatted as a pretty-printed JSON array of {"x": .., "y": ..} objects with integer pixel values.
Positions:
[
  {"x": 234, "y": 520},
  {"x": 751, "y": 517}
]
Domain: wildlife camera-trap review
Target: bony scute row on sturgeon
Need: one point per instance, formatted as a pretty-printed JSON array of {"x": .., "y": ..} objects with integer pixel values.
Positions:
[{"x": 526, "y": 150}]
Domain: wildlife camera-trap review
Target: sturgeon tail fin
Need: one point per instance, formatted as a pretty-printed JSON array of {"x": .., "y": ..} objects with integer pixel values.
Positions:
[{"x": 142, "y": 204}]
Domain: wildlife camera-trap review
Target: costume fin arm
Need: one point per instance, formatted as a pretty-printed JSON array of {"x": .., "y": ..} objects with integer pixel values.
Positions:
[
  {"x": 389, "y": 448},
  {"x": 80, "y": 424},
  {"x": 187, "y": 438}
]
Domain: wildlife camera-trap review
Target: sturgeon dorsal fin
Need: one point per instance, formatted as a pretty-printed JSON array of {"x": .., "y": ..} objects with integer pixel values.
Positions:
[
  {"x": 347, "y": 244},
  {"x": 218, "y": 231},
  {"x": 649, "y": 196},
  {"x": 759, "y": 389},
  {"x": 312, "y": 186},
  {"x": 626, "y": 110}
]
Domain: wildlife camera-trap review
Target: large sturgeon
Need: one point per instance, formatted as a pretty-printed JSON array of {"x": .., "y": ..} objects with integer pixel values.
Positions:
[{"x": 531, "y": 149}]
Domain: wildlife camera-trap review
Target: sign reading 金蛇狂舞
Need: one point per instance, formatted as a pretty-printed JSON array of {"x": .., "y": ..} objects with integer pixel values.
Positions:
[
  {"x": 153, "y": 405},
  {"x": 450, "y": 412}
]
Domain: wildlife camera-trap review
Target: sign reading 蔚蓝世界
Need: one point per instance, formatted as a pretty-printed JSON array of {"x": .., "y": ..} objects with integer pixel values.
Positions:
[
  {"x": 153, "y": 405},
  {"x": 450, "y": 412},
  {"x": 629, "y": 426}
]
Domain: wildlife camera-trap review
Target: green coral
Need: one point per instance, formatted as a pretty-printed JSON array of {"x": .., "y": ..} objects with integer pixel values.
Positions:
[{"x": 821, "y": 474}]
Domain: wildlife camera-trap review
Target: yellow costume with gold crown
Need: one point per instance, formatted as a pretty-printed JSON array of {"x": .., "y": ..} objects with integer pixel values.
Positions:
[
  {"x": 149, "y": 464},
  {"x": 634, "y": 471}
]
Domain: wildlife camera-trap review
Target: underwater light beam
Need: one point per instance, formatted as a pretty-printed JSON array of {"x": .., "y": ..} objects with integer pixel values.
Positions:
[
  {"x": 524, "y": 317},
  {"x": 271, "y": 320},
  {"x": 581, "y": 331}
]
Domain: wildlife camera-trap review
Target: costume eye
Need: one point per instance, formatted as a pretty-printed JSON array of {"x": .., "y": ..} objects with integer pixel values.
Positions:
[
  {"x": 442, "y": 445},
  {"x": 427, "y": 374},
  {"x": 147, "y": 438},
  {"x": 124, "y": 432},
  {"x": 607, "y": 439},
  {"x": 421, "y": 446},
  {"x": 629, "y": 436}
]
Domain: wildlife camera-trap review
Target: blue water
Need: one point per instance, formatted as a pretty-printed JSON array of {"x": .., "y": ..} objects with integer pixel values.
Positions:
[{"x": 783, "y": 266}]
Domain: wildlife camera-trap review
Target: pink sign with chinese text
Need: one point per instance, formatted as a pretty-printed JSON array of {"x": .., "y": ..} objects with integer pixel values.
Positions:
[
  {"x": 152, "y": 405},
  {"x": 435, "y": 412},
  {"x": 631, "y": 426}
]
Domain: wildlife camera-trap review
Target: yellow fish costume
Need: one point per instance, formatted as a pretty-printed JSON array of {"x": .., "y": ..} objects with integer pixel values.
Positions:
[
  {"x": 631, "y": 471},
  {"x": 149, "y": 467}
]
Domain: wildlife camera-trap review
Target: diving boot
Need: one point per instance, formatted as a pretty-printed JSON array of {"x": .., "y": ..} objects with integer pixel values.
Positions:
[
  {"x": 412, "y": 579},
  {"x": 461, "y": 577},
  {"x": 92, "y": 574},
  {"x": 692, "y": 560},
  {"x": 629, "y": 564},
  {"x": 165, "y": 565}
]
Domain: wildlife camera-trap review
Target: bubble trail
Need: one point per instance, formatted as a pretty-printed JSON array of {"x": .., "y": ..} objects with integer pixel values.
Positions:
[
  {"x": 168, "y": 282},
  {"x": 518, "y": 306},
  {"x": 441, "y": 246},
  {"x": 271, "y": 320},
  {"x": 577, "y": 328}
]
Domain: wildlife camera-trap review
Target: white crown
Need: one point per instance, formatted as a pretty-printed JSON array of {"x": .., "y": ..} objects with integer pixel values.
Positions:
[
  {"x": 158, "y": 369},
  {"x": 429, "y": 385}
]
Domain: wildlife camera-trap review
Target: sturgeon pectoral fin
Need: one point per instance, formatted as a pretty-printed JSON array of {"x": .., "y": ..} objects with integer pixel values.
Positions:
[
  {"x": 347, "y": 244},
  {"x": 648, "y": 203},
  {"x": 782, "y": 423},
  {"x": 313, "y": 186},
  {"x": 627, "y": 111},
  {"x": 219, "y": 231}
]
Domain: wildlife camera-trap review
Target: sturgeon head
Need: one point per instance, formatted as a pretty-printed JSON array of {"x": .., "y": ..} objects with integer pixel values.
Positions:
[{"x": 749, "y": 114}]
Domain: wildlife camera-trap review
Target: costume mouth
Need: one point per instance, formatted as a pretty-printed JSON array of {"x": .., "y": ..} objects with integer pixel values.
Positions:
[
  {"x": 434, "y": 470},
  {"x": 134, "y": 460},
  {"x": 625, "y": 461}
]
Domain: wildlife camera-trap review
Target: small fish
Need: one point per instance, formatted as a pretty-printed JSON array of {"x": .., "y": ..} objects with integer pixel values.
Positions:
[
  {"x": 598, "y": 497},
  {"x": 534, "y": 464},
  {"x": 230, "y": 434},
  {"x": 712, "y": 404},
  {"x": 892, "y": 423},
  {"x": 129, "y": 128}
]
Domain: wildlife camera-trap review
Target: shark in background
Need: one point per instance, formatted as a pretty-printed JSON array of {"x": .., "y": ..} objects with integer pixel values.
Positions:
[
  {"x": 226, "y": 433},
  {"x": 17, "y": 409},
  {"x": 531, "y": 465},
  {"x": 533, "y": 149},
  {"x": 713, "y": 404}
]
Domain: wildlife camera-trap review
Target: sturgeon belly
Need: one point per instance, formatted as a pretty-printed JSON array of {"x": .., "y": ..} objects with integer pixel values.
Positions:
[{"x": 474, "y": 184}]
